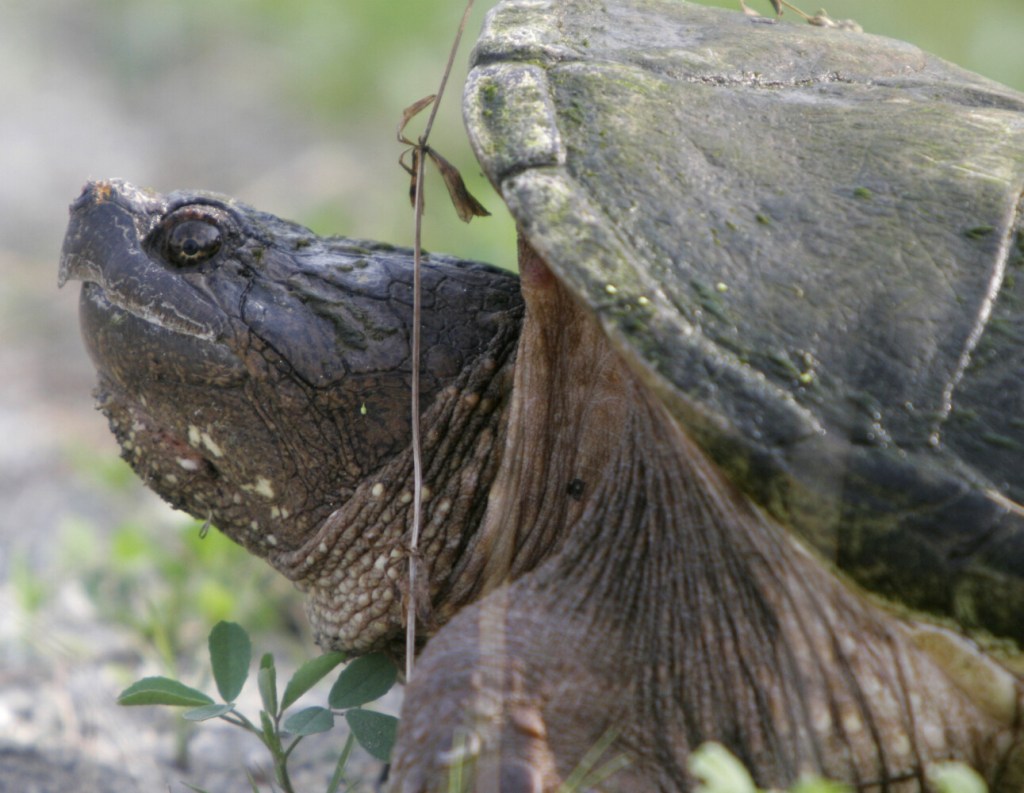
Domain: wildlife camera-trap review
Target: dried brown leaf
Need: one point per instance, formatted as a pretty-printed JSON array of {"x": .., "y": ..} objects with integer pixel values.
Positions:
[
  {"x": 409, "y": 114},
  {"x": 466, "y": 206},
  {"x": 412, "y": 169}
]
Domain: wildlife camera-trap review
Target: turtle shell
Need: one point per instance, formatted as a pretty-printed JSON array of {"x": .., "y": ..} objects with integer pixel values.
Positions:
[{"x": 808, "y": 243}]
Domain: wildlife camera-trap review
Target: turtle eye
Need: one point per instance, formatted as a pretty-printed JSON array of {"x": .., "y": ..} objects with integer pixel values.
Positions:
[{"x": 192, "y": 242}]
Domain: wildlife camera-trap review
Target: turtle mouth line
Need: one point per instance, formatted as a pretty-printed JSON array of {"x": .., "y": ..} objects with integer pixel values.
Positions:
[
  {"x": 164, "y": 315},
  {"x": 117, "y": 335}
]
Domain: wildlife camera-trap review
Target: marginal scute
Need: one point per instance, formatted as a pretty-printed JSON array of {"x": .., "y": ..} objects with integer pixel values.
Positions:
[
  {"x": 516, "y": 29},
  {"x": 513, "y": 105}
]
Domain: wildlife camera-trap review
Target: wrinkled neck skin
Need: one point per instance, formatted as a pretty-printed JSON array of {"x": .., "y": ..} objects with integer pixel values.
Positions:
[
  {"x": 669, "y": 612},
  {"x": 354, "y": 568}
]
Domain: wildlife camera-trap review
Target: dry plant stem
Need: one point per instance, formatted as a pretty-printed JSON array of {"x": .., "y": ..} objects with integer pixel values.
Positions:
[
  {"x": 417, "y": 462},
  {"x": 444, "y": 77},
  {"x": 797, "y": 11}
]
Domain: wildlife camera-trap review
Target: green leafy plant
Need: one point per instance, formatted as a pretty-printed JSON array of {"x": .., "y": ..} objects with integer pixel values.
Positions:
[{"x": 363, "y": 680}]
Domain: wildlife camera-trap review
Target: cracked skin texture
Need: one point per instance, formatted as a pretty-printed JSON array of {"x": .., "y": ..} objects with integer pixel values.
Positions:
[
  {"x": 278, "y": 409},
  {"x": 638, "y": 493}
]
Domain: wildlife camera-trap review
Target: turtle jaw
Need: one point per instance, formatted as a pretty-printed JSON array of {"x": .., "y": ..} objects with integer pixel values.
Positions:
[
  {"x": 145, "y": 370},
  {"x": 171, "y": 370}
]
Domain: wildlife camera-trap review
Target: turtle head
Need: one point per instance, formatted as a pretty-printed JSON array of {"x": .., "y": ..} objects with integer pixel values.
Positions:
[{"x": 253, "y": 373}]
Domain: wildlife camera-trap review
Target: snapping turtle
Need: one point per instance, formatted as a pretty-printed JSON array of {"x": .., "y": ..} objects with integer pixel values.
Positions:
[{"x": 767, "y": 359}]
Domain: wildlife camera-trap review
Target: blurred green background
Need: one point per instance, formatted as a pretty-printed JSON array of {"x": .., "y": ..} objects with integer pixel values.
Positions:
[{"x": 292, "y": 104}]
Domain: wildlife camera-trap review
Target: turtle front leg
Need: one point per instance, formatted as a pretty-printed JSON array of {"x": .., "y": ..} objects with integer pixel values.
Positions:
[{"x": 500, "y": 701}]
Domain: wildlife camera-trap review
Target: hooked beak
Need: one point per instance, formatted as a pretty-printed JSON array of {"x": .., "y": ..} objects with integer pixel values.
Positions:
[{"x": 104, "y": 246}]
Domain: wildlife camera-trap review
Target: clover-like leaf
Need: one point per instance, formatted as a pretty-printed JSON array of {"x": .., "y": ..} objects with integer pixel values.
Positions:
[
  {"x": 309, "y": 721},
  {"x": 954, "y": 777},
  {"x": 367, "y": 678},
  {"x": 308, "y": 675},
  {"x": 719, "y": 771},
  {"x": 375, "y": 731},
  {"x": 163, "y": 691},
  {"x": 230, "y": 655},
  {"x": 266, "y": 678},
  {"x": 206, "y": 712}
]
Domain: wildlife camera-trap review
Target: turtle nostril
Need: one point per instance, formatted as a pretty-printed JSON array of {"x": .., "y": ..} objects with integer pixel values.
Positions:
[{"x": 92, "y": 193}]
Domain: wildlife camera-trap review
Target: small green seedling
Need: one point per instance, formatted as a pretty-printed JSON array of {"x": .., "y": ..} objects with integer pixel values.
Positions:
[{"x": 363, "y": 680}]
